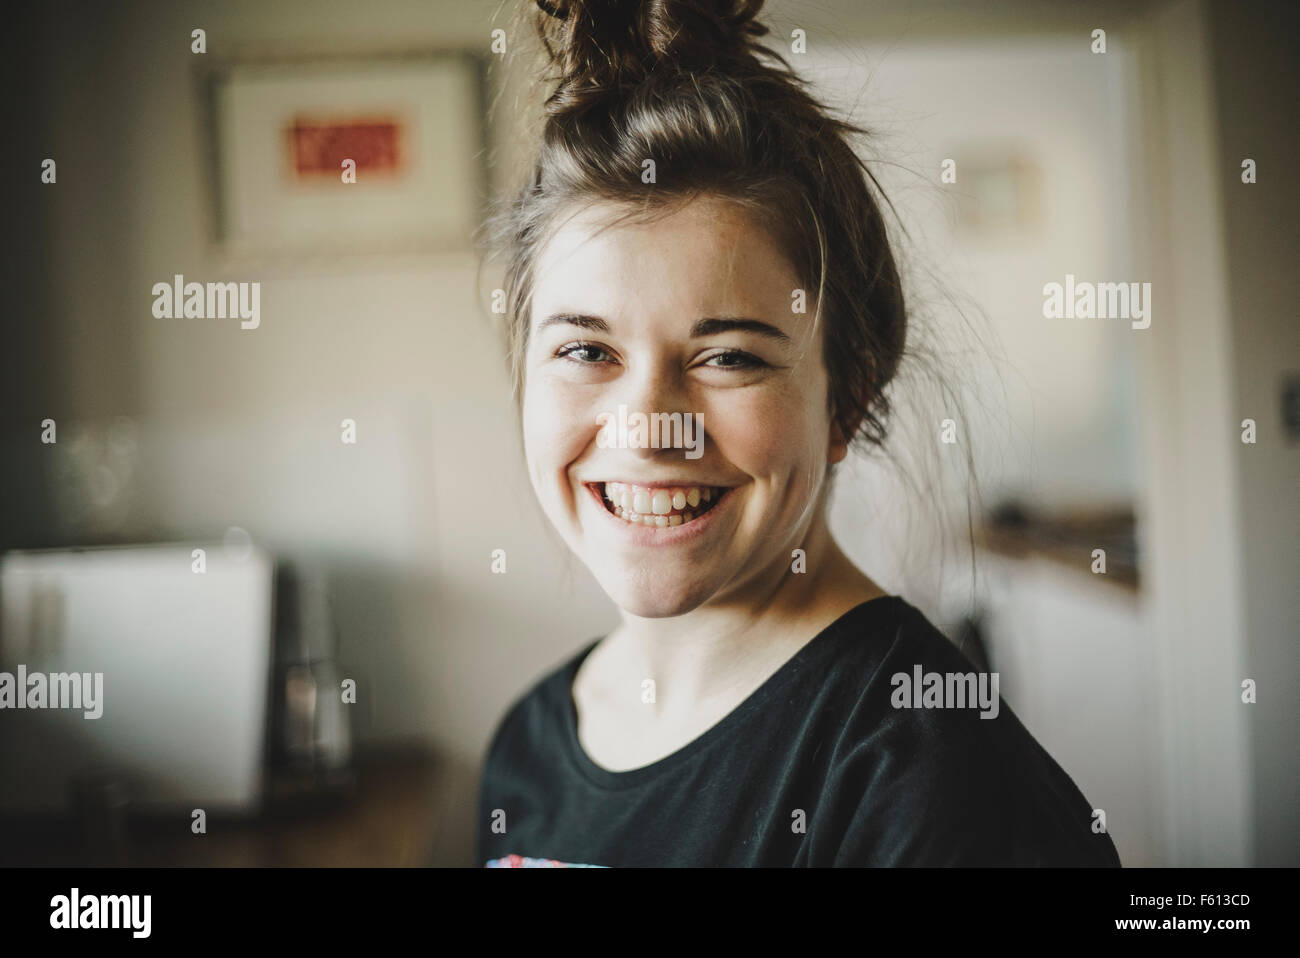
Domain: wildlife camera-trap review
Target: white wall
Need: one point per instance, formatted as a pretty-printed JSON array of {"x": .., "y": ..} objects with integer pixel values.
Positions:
[
  {"x": 1257, "y": 81},
  {"x": 1046, "y": 404}
]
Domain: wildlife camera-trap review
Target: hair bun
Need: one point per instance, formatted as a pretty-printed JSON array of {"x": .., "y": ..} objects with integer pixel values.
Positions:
[{"x": 607, "y": 44}]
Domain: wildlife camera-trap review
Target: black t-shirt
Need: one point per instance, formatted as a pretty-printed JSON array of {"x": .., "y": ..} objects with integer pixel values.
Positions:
[{"x": 821, "y": 765}]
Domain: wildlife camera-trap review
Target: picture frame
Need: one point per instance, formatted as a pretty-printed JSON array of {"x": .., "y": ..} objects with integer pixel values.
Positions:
[{"x": 339, "y": 156}]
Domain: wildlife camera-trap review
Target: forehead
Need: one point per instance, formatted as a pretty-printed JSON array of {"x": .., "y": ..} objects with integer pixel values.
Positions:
[{"x": 708, "y": 255}]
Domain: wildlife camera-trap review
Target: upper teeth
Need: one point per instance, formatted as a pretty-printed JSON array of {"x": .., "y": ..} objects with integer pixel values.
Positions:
[{"x": 656, "y": 505}]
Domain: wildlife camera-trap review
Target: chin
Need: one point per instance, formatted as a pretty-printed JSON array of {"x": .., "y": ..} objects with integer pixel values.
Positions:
[{"x": 650, "y": 596}]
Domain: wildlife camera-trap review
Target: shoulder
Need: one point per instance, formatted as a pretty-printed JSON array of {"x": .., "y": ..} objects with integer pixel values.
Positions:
[
  {"x": 930, "y": 765},
  {"x": 535, "y": 710}
]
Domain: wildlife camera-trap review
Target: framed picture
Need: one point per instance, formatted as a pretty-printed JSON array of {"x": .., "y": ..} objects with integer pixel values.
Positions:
[
  {"x": 355, "y": 155},
  {"x": 1000, "y": 190}
]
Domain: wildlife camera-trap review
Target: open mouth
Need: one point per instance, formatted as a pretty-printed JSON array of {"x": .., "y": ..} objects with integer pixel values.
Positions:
[{"x": 658, "y": 506}]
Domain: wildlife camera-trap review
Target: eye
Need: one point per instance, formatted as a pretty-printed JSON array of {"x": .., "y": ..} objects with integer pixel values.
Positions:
[
  {"x": 734, "y": 359},
  {"x": 584, "y": 354}
]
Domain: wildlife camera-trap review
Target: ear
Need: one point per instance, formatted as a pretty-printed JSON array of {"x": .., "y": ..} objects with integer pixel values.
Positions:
[{"x": 838, "y": 448}]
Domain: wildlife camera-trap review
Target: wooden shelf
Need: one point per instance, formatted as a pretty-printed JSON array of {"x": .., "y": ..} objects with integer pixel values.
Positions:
[{"x": 1068, "y": 539}]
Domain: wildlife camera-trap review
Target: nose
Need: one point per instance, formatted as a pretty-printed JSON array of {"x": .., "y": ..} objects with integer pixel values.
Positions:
[{"x": 658, "y": 393}]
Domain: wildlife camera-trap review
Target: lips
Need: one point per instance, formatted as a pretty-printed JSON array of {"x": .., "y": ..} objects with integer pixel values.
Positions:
[{"x": 658, "y": 506}]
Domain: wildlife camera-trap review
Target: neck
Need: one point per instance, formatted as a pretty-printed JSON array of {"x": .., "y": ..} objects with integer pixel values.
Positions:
[{"x": 731, "y": 643}]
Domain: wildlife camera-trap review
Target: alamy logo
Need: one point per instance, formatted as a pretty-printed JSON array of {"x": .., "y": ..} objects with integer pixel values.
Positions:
[
  {"x": 660, "y": 430},
  {"x": 179, "y": 299},
  {"x": 946, "y": 690},
  {"x": 1098, "y": 301},
  {"x": 57, "y": 690},
  {"x": 102, "y": 911}
]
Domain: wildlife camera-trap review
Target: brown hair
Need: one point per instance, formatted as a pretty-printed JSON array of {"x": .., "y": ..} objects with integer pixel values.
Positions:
[{"x": 688, "y": 84}]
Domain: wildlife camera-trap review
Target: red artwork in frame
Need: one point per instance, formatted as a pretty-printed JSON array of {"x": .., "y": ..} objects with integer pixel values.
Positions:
[
  {"x": 368, "y": 155},
  {"x": 317, "y": 146}
]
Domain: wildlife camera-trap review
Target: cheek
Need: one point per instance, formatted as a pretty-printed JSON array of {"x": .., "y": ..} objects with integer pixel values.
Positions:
[
  {"x": 771, "y": 431},
  {"x": 556, "y": 427}
]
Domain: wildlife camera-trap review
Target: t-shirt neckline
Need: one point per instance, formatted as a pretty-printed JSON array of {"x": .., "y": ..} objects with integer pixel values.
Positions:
[{"x": 606, "y": 778}]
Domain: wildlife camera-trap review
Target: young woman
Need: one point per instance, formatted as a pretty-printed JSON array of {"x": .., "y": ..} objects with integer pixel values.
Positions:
[{"x": 699, "y": 245}]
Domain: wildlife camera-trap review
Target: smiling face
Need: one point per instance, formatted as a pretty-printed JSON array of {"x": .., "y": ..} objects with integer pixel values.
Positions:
[{"x": 689, "y": 314}]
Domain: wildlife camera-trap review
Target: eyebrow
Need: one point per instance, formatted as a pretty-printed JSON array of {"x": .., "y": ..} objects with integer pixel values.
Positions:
[{"x": 710, "y": 326}]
